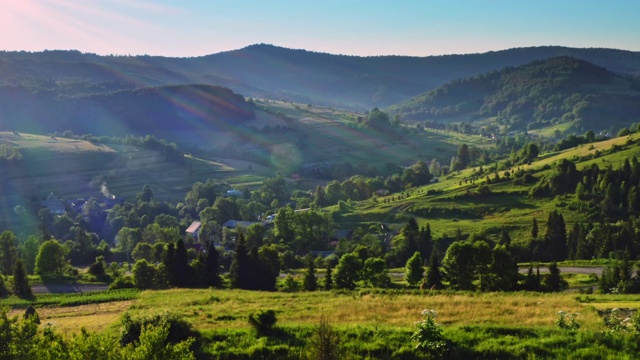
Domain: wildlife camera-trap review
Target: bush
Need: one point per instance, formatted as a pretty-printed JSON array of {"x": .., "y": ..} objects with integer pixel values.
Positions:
[
  {"x": 429, "y": 337},
  {"x": 324, "y": 343},
  {"x": 264, "y": 322},
  {"x": 122, "y": 282},
  {"x": 179, "y": 330}
]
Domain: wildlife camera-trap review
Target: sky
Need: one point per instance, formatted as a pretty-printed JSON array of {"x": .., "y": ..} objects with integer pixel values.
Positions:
[{"x": 189, "y": 28}]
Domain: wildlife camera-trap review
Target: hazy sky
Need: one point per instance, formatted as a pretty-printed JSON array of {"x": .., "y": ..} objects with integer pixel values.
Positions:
[{"x": 355, "y": 27}]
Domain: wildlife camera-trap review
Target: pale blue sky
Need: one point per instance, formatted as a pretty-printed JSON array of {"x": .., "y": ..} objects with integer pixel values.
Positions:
[{"x": 357, "y": 27}]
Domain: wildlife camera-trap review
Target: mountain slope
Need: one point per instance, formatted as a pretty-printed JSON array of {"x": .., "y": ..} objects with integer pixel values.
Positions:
[
  {"x": 138, "y": 111},
  {"x": 562, "y": 89},
  {"x": 275, "y": 72}
]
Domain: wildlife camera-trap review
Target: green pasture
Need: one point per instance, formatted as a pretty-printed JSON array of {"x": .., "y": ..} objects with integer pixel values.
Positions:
[{"x": 373, "y": 323}]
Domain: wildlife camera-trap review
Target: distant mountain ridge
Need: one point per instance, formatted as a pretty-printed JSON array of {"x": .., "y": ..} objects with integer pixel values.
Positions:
[
  {"x": 296, "y": 75},
  {"x": 538, "y": 94}
]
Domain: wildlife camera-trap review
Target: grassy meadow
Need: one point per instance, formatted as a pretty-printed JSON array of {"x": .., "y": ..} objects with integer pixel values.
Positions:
[{"x": 374, "y": 324}]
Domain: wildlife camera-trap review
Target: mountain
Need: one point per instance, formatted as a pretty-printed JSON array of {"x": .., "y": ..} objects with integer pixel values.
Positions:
[
  {"x": 275, "y": 72},
  {"x": 138, "y": 111},
  {"x": 539, "y": 94}
]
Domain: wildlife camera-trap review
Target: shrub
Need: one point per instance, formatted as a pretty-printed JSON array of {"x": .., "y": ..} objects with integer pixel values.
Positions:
[
  {"x": 290, "y": 284},
  {"x": 567, "y": 321},
  {"x": 122, "y": 282},
  {"x": 428, "y": 335},
  {"x": 263, "y": 322},
  {"x": 179, "y": 330},
  {"x": 324, "y": 343}
]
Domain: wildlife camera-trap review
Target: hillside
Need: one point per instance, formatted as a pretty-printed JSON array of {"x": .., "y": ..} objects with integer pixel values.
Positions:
[
  {"x": 72, "y": 169},
  {"x": 278, "y": 73},
  {"x": 454, "y": 204},
  {"x": 536, "y": 95},
  {"x": 118, "y": 113}
]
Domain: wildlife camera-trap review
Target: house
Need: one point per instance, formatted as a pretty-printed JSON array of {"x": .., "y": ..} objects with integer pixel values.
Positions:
[
  {"x": 54, "y": 205},
  {"x": 194, "y": 229}
]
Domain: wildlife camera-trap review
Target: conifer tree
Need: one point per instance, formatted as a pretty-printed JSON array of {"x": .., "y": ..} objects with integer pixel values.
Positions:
[
  {"x": 534, "y": 229},
  {"x": 181, "y": 267},
  {"x": 555, "y": 238},
  {"x": 505, "y": 239},
  {"x": 238, "y": 272},
  {"x": 554, "y": 282},
  {"x": 3, "y": 287},
  {"x": 21, "y": 285},
  {"x": 212, "y": 266},
  {"x": 433, "y": 278},
  {"x": 328, "y": 284},
  {"x": 310, "y": 280},
  {"x": 168, "y": 260}
]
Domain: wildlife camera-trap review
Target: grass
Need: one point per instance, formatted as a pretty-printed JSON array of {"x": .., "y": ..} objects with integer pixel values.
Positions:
[{"x": 371, "y": 323}]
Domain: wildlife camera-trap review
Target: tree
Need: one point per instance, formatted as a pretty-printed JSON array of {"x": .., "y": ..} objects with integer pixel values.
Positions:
[
  {"x": 377, "y": 119},
  {"x": 51, "y": 259},
  {"x": 504, "y": 270},
  {"x": 21, "y": 285},
  {"x": 182, "y": 271},
  {"x": 505, "y": 239},
  {"x": 3, "y": 287},
  {"x": 143, "y": 251},
  {"x": 463, "y": 157},
  {"x": 212, "y": 266},
  {"x": 433, "y": 278},
  {"x": 320, "y": 199},
  {"x": 375, "y": 272},
  {"x": 554, "y": 282},
  {"x": 28, "y": 251},
  {"x": 531, "y": 151},
  {"x": 347, "y": 272},
  {"x": 555, "y": 238},
  {"x": 239, "y": 270},
  {"x": 146, "y": 194},
  {"x": 459, "y": 265},
  {"x": 310, "y": 281},
  {"x": 534, "y": 229},
  {"x": 414, "y": 271},
  {"x": 8, "y": 252},
  {"x": 328, "y": 283},
  {"x": 144, "y": 275}
]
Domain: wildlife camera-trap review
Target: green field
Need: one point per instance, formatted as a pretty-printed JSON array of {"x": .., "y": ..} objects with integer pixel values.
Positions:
[{"x": 374, "y": 324}]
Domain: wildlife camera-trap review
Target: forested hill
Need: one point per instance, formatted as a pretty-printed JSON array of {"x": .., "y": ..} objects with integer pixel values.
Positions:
[
  {"x": 277, "y": 73},
  {"x": 118, "y": 113},
  {"x": 545, "y": 92}
]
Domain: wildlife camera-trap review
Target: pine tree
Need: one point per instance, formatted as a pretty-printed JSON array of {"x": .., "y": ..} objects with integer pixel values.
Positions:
[
  {"x": 3, "y": 287},
  {"x": 433, "y": 278},
  {"x": 505, "y": 239},
  {"x": 21, "y": 285},
  {"x": 212, "y": 266},
  {"x": 168, "y": 260},
  {"x": 531, "y": 281},
  {"x": 328, "y": 279},
  {"x": 182, "y": 271},
  {"x": 534, "y": 229},
  {"x": 310, "y": 280},
  {"x": 555, "y": 238},
  {"x": 425, "y": 242},
  {"x": 238, "y": 276},
  {"x": 554, "y": 282}
]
